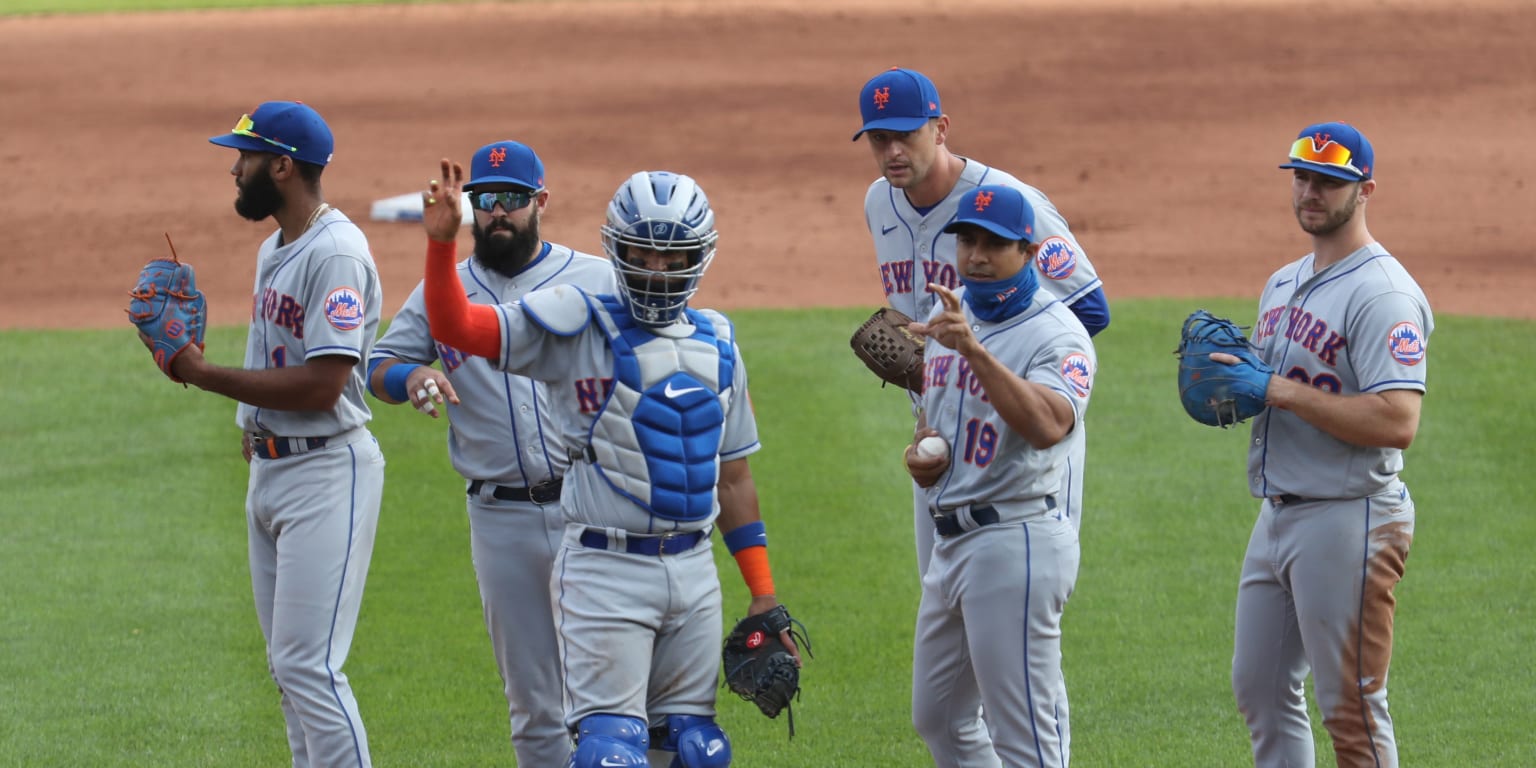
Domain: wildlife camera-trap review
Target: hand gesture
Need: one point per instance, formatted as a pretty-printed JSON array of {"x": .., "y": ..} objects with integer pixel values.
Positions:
[
  {"x": 429, "y": 388},
  {"x": 950, "y": 328},
  {"x": 441, "y": 203}
]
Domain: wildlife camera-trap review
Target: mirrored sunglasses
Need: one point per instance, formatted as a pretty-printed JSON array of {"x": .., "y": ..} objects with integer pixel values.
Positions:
[
  {"x": 509, "y": 201},
  {"x": 247, "y": 127},
  {"x": 1330, "y": 153}
]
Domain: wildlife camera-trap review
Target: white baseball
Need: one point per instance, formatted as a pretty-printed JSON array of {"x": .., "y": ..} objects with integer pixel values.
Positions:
[{"x": 932, "y": 447}]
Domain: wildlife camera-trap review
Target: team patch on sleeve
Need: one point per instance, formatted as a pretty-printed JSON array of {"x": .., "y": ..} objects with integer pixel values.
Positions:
[
  {"x": 1078, "y": 373},
  {"x": 1406, "y": 343},
  {"x": 1057, "y": 258},
  {"x": 344, "y": 309}
]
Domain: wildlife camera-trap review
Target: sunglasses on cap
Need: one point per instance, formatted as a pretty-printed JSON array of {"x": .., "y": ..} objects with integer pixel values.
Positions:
[
  {"x": 509, "y": 201},
  {"x": 247, "y": 127},
  {"x": 1331, "y": 153}
]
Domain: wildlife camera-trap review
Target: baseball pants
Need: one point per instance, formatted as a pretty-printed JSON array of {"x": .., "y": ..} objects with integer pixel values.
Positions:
[
  {"x": 513, "y": 545},
  {"x": 311, "y": 520},
  {"x": 1316, "y": 595}
]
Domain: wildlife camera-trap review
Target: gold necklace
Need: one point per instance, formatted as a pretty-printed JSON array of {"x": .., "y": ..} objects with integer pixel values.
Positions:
[{"x": 314, "y": 217}]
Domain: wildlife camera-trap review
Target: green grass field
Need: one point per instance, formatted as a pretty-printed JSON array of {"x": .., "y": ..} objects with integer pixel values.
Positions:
[{"x": 130, "y": 640}]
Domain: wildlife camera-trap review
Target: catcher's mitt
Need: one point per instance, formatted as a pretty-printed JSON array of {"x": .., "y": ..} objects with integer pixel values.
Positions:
[
  {"x": 169, "y": 311},
  {"x": 1215, "y": 393},
  {"x": 889, "y": 349},
  {"x": 759, "y": 667}
]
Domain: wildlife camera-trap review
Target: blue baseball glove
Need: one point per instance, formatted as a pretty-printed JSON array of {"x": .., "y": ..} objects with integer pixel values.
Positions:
[
  {"x": 169, "y": 311},
  {"x": 1213, "y": 393}
]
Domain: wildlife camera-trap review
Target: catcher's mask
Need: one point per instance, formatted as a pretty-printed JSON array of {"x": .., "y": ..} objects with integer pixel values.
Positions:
[{"x": 665, "y": 212}]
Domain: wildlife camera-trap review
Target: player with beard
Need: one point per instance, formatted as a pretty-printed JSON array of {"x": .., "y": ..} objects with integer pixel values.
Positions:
[
  {"x": 316, "y": 473},
  {"x": 500, "y": 435}
]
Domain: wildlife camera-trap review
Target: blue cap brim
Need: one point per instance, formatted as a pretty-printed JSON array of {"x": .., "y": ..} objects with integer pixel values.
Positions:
[
  {"x": 902, "y": 124},
  {"x": 1326, "y": 170},
  {"x": 236, "y": 141},
  {"x": 993, "y": 227},
  {"x": 503, "y": 180}
]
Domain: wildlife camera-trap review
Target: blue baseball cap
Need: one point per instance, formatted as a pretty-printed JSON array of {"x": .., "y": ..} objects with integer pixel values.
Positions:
[
  {"x": 999, "y": 209},
  {"x": 290, "y": 128},
  {"x": 897, "y": 100},
  {"x": 506, "y": 162},
  {"x": 1333, "y": 149}
]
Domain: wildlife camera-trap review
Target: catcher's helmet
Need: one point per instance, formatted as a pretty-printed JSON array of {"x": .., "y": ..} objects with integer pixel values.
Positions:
[{"x": 662, "y": 211}]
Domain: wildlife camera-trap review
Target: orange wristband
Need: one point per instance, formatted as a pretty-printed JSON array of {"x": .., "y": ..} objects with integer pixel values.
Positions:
[{"x": 753, "y": 562}]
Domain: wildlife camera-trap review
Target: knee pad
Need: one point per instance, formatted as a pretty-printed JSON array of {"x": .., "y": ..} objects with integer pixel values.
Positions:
[
  {"x": 698, "y": 741},
  {"x": 610, "y": 741}
]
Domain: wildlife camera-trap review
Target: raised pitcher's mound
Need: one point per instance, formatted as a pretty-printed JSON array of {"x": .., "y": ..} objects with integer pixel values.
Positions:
[{"x": 1155, "y": 126}]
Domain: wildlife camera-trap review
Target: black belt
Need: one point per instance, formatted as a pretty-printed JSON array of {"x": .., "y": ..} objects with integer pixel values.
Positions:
[
  {"x": 274, "y": 447},
  {"x": 543, "y": 493},
  {"x": 949, "y": 525},
  {"x": 665, "y": 544},
  {"x": 1288, "y": 498}
]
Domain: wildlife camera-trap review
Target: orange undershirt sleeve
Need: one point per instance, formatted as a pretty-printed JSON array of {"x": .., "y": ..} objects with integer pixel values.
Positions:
[
  {"x": 472, "y": 328},
  {"x": 753, "y": 562}
]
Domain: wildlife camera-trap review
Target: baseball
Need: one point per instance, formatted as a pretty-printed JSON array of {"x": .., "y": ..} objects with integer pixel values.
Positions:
[{"x": 932, "y": 446}]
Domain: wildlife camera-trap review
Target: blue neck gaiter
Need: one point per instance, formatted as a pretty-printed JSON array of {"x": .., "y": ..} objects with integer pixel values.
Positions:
[{"x": 998, "y": 300}]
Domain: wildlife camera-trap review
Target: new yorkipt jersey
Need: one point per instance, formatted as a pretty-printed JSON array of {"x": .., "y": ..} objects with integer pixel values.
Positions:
[
  {"x": 1360, "y": 325},
  {"x": 989, "y": 462},
  {"x": 556, "y": 336},
  {"x": 500, "y": 431},
  {"x": 318, "y": 295},
  {"x": 913, "y": 251}
]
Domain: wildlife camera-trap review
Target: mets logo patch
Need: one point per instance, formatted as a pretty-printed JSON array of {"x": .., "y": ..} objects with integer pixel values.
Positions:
[
  {"x": 1056, "y": 258},
  {"x": 344, "y": 309},
  {"x": 1078, "y": 374},
  {"x": 1406, "y": 343}
]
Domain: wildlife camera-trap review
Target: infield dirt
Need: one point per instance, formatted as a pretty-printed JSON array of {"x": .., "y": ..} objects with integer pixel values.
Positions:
[{"x": 1155, "y": 127}]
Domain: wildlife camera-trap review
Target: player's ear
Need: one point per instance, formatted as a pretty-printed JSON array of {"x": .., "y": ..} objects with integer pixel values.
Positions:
[
  {"x": 940, "y": 129},
  {"x": 1367, "y": 188}
]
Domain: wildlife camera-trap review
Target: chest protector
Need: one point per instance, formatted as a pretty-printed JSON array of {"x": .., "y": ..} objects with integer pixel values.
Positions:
[{"x": 657, "y": 439}]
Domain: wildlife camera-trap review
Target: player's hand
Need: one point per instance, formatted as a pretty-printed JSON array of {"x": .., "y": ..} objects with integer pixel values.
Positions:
[
  {"x": 950, "y": 328},
  {"x": 429, "y": 388},
  {"x": 441, "y": 203},
  {"x": 926, "y": 470},
  {"x": 246, "y": 449},
  {"x": 766, "y": 603},
  {"x": 1225, "y": 359}
]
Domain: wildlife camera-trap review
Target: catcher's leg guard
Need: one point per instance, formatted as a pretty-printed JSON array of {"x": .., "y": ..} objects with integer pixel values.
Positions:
[
  {"x": 610, "y": 740},
  {"x": 698, "y": 741}
]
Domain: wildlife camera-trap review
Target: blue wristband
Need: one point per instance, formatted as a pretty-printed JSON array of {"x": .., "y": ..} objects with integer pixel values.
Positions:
[
  {"x": 749, "y": 535},
  {"x": 394, "y": 381}
]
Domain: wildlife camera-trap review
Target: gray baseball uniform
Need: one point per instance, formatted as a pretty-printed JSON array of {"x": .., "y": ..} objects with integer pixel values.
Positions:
[
  {"x": 502, "y": 440},
  {"x": 315, "y": 483},
  {"x": 1004, "y": 561},
  {"x": 912, "y": 251},
  {"x": 1336, "y": 523},
  {"x": 639, "y": 634}
]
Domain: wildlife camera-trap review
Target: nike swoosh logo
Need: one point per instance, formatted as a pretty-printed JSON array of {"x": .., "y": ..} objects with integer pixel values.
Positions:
[
  {"x": 888, "y": 230},
  {"x": 1282, "y": 283},
  {"x": 609, "y": 761},
  {"x": 470, "y": 295},
  {"x": 676, "y": 393},
  {"x": 713, "y": 748}
]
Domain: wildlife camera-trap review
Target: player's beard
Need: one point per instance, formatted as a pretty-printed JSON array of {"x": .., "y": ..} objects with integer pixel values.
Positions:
[
  {"x": 506, "y": 255},
  {"x": 259, "y": 196},
  {"x": 1335, "y": 220}
]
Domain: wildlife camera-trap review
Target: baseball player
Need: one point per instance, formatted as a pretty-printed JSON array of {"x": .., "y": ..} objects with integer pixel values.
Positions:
[
  {"x": 907, "y": 209},
  {"x": 316, "y": 473},
  {"x": 1346, "y": 330},
  {"x": 654, "y": 394},
  {"x": 1008, "y": 370},
  {"x": 501, "y": 437}
]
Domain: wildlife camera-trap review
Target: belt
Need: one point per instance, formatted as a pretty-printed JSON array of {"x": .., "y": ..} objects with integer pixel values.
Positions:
[
  {"x": 665, "y": 544},
  {"x": 1288, "y": 498},
  {"x": 949, "y": 525},
  {"x": 276, "y": 447},
  {"x": 543, "y": 493}
]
